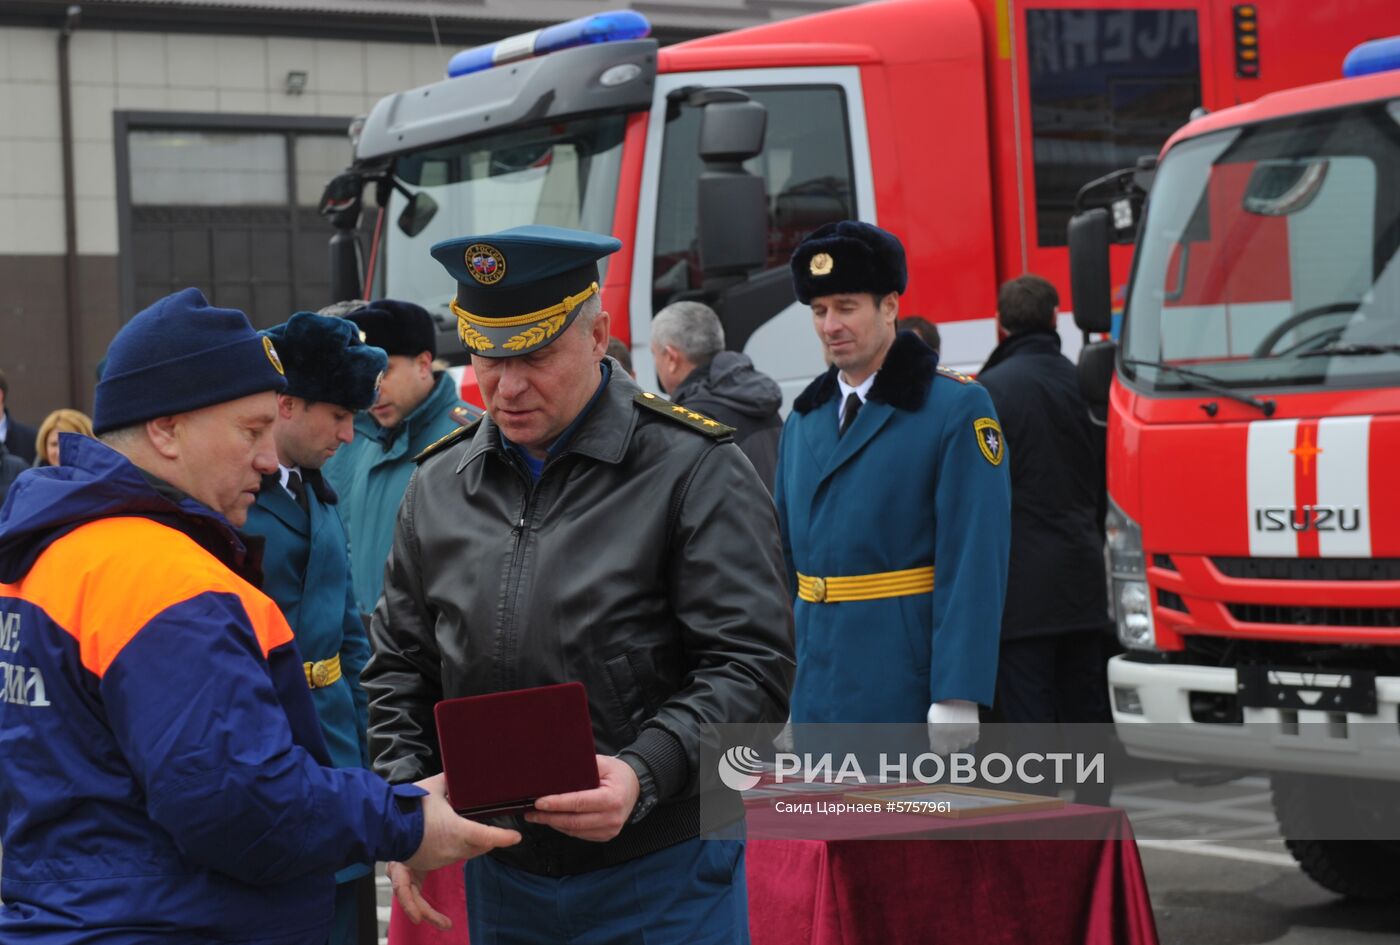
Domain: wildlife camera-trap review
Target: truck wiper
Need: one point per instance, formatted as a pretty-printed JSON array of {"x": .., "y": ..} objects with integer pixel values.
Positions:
[
  {"x": 1207, "y": 383},
  {"x": 1343, "y": 350}
]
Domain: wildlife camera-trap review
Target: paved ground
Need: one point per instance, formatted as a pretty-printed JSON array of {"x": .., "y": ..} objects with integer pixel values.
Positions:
[{"x": 1219, "y": 873}]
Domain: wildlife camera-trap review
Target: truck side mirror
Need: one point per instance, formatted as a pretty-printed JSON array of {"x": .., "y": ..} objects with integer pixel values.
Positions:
[
  {"x": 732, "y": 132},
  {"x": 1088, "y": 270},
  {"x": 417, "y": 214},
  {"x": 1096, "y": 366},
  {"x": 732, "y": 207}
]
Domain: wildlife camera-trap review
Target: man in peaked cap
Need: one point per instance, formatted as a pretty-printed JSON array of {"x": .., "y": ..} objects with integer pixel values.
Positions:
[
  {"x": 889, "y": 467},
  {"x": 165, "y": 778},
  {"x": 588, "y": 531},
  {"x": 331, "y": 374},
  {"x": 416, "y": 406}
]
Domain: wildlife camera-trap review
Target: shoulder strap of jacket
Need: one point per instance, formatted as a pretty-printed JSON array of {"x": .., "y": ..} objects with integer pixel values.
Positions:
[
  {"x": 958, "y": 376},
  {"x": 682, "y": 415},
  {"x": 456, "y": 436}
]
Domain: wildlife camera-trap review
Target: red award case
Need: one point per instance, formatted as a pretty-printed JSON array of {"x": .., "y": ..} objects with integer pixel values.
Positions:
[{"x": 503, "y": 750}]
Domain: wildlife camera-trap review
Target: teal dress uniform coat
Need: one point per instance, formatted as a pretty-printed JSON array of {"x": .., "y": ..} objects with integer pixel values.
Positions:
[
  {"x": 306, "y": 570},
  {"x": 917, "y": 480},
  {"x": 371, "y": 473}
]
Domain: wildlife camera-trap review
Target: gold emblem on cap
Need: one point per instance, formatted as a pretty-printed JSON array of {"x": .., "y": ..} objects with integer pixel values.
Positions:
[
  {"x": 821, "y": 264},
  {"x": 533, "y": 336},
  {"x": 272, "y": 355},
  {"x": 485, "y": 263},
  {"x": 472, "y": 338}
]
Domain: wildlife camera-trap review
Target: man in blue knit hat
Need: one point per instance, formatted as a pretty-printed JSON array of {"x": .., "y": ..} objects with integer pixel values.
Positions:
[
  {"x": 331, "y": 374},
  {"x": 165, "y": 776}
]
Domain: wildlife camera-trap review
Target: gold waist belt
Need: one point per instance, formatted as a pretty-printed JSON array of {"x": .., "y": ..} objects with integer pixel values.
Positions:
[
  {"x": 865, "y": 586},
  {"x": 322, "y": 673}
]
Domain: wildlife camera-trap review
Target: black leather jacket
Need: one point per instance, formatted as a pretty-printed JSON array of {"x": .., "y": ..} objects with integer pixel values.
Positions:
[{"x": 645, "y": 563}]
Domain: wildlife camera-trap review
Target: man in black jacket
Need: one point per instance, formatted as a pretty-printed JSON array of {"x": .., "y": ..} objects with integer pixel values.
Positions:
[
  {"x": 583, "y": 531},
  {"x": 1052, "y": 666},
  {"x": 10, "y": 468},
  {"x": 687, "y": 345},
  {"x": 17, "y": 437}
]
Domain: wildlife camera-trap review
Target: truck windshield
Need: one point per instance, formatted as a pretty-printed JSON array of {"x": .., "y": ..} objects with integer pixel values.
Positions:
[
  {"x": 1268, "y": 256},
  {"x": 563, "y": 173}
]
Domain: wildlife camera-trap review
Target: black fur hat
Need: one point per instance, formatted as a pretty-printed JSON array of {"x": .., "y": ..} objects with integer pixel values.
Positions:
[
  {"x": 849, "y": 256},
  {"x": 397, "y": 327},
  {"x": 326, "y": 360}
]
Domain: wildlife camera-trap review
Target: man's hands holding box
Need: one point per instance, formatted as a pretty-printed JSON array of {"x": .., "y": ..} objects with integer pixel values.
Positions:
[{"x": 598, "y": 814}]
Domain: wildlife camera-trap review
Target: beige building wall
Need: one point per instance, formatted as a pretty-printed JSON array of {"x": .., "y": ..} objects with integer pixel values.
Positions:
[
  {"x": 208, "y": 73},
  {"x": 147, "y": 72}
]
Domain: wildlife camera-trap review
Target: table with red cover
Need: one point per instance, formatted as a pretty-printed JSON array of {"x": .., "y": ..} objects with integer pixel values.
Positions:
[{"x": 1068, "y": 876}]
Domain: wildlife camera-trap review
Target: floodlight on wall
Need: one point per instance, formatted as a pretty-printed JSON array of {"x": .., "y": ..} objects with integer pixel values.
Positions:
[{"x": 296, "y": 82}]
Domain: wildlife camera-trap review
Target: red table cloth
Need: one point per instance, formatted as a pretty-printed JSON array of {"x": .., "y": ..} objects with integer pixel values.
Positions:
[{"x": 1069, "y": 876}]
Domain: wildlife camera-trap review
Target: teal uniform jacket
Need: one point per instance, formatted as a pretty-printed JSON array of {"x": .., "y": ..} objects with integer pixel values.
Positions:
[
  {"x": 920, "y": 478},
  {"x": 371, "y": 473},
  {"x": 306, "y": 570}
]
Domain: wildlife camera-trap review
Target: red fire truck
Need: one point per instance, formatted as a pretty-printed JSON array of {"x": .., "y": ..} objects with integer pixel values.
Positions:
[
  {"x": 964, "y": 126},
  {"x": 1254, "y": 435}
]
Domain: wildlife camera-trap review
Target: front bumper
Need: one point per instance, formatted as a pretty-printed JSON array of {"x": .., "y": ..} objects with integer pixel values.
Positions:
[{"x": 1317, "y": 742}]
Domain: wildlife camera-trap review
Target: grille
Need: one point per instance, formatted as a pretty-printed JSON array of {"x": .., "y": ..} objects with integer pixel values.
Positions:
[
  {"x": 1170, "y": 600},
  {"x": 1316, "y": 616},
  {"x": 1222, "y": 651},
  {"x": 1163, "y": 561},
  {"x": 1310, "y": 569}
]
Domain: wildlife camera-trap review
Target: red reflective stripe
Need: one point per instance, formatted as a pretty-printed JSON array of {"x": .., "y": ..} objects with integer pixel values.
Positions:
[
  {"x": 106, "y": 580},
  {"x": 1305, "y": 484}
]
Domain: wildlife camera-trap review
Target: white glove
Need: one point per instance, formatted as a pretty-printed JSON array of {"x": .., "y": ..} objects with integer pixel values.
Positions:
[{"x": 952, "y": 725}]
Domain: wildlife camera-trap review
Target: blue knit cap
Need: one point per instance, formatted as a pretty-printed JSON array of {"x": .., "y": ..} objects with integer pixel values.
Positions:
[{"x": 179, "y": 355}]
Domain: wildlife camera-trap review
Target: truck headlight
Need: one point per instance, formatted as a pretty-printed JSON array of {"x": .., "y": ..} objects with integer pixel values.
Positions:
[{"x": 1132, "y": 600}]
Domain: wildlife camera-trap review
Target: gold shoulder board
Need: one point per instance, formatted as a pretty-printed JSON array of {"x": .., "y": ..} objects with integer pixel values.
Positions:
[
  {"x": 689, "y": 418},
  {"x": 958, "y": 376},
  {"x": 456, "y": 436}
]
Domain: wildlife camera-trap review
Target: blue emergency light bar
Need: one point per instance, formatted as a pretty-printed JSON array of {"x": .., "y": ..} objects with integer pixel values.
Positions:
[
  {"x": 600, "y": 28},
  {"x": 1379, "y": 55}
]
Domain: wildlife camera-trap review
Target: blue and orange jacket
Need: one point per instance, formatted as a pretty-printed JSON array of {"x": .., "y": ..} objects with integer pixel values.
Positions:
[{"x": 164, "y": 775}]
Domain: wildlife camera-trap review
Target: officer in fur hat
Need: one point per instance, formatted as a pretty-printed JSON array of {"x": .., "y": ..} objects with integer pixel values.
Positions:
[
  {"x": 587, "y": 531},
  {"x": 416, "y": 406},
  {"x": 890, "y": 467},
  {"x": 330, "y": 374}
]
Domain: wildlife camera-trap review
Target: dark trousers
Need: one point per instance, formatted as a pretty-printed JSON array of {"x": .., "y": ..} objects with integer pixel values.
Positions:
[
  {"x": 694, "y": 893},
  {"x": 1061, "y": 681},
  {"x": 1058, "y": 677}
]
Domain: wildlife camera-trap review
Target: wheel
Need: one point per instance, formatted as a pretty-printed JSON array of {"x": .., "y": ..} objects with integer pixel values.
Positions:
[{"x": 1320, "y": 817}]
